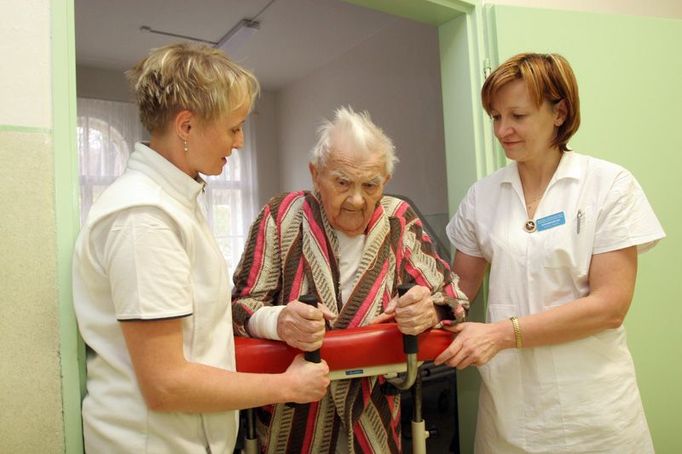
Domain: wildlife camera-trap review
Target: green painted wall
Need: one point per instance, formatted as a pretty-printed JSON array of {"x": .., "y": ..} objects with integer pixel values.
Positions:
[{"x": 628, "y": 69}]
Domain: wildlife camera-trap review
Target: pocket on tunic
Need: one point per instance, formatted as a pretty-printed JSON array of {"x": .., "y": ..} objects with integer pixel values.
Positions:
[
  {"x": 558, "y": 251},
  {"x": 570, "y": 245}
]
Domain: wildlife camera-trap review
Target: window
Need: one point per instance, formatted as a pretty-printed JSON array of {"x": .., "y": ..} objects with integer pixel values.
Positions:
[
  {"x": 231, "y": 201},
  {"x": 107, "y": 132}
]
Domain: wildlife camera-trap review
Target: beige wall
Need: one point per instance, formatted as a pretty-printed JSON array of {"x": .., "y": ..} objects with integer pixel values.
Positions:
[
  {"x": 25, "y": 76},
  {"x": 30, "y": 386}
]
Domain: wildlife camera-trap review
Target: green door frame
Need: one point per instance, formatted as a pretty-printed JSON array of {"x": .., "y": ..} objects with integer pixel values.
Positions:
[
  {"x": 468, "y": 147},
  {"x": 67, "y": 212}
]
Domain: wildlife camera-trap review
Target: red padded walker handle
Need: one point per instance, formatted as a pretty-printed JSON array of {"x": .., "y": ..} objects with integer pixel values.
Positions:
[{"x": 373, "y": 345}]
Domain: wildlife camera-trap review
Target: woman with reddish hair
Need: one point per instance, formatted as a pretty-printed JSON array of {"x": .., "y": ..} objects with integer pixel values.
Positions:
[{"x": 560, "y": 232}]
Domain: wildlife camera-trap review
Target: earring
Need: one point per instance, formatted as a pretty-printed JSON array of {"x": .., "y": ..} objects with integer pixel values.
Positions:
[{"x": 186, "y": 147}]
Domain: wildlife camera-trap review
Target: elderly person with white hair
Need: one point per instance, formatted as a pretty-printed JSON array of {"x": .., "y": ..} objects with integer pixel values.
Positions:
[{"x": 351, "y": 247}]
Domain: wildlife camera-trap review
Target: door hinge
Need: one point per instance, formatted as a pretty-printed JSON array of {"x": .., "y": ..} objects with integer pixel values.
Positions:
[{"x": 486, "y": 68}]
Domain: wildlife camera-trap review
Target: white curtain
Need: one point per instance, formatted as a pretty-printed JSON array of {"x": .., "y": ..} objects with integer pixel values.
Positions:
[
  {"x": 231, "y": 199},
  {"x": 107, "y": 132}
]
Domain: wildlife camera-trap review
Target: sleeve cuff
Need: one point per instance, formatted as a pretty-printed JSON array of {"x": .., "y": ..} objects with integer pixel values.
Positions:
[{"x": 445, "y": 306}]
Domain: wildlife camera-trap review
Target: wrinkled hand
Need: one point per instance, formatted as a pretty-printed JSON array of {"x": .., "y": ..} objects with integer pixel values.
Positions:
[
  {"x": 413, "y": 312},
  {"x": 302, "y": 326},
  {"x": 474, "y": 344},
  {"x": 308, "y": 381}
]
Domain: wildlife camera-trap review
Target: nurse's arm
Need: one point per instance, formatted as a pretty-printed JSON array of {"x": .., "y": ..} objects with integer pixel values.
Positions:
[
  {"x": 170, "y": 383},
  {"x": 612, "y": 282},
  {"x": 470, "y": 270}
]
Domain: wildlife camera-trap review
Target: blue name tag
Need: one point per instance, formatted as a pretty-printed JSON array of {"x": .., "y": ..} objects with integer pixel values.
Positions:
[
  {"x": 354, "y": 371},
  {"x": 551, "y": 221}
]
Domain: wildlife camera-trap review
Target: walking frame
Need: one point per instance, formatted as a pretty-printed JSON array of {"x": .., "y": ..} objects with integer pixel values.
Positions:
[{"x": 353, "y": 353}]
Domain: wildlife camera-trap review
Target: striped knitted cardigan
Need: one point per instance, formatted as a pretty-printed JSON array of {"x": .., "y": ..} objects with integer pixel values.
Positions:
[{"x": 292, "y": 250}]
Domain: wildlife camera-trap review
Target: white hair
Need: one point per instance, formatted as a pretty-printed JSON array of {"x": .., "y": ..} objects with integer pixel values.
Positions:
[{"x": 352, "y": 131}]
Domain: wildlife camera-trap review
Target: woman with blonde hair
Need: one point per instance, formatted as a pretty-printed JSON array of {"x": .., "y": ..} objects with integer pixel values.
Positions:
[
  {"x": 560, "y": 232},
  {"x": 151, "y": 289}
]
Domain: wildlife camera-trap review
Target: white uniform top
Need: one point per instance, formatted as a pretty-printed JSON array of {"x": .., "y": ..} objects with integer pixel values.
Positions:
[
  {"x": 579, "y": 396},
  {"x": 147, "y": 253}
]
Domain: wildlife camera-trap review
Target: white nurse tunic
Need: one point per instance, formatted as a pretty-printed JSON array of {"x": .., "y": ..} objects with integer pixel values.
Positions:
[
  {"x": 147, "y": 253},
  {"x": 579, "y": 396}
]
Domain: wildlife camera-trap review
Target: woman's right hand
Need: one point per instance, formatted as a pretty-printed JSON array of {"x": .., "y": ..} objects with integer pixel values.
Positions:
[
  {"x": 307, "y": 382},
  {"x": 476, "y": 343}
]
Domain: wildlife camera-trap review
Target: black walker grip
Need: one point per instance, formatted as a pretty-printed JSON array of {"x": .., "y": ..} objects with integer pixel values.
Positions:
[
  {"x": 409, "y": 341},
  {"x": 314, "y": 356}
]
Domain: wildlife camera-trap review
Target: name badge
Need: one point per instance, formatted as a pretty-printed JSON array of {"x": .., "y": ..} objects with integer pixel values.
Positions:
[{"x": 551, "y": 221}]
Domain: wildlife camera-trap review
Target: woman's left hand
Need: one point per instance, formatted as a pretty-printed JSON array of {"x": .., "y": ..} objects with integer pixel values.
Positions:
[{"x": 474, "y": 344}]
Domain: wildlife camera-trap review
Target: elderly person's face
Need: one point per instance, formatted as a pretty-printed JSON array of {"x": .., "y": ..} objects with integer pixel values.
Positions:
[{"x": 350, "y": 186}]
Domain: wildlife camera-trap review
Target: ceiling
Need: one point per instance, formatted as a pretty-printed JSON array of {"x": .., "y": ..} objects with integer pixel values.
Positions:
[{"x": 295, "y": 36}]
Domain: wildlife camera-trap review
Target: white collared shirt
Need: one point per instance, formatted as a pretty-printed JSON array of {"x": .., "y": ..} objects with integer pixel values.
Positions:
[{"x": 590, "y": 206}]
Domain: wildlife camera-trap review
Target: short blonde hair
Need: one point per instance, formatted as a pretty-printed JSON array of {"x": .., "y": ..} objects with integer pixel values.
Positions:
[
  {"x": 354, "y": 130},
  {"x": 548, "y": 77},
  {"x": 192, "y": 77}
]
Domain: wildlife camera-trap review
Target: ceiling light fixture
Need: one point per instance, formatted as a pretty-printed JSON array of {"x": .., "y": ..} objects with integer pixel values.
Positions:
[
  {"x": 231, "y": 41},
  {"x": 238, "y": 35}
]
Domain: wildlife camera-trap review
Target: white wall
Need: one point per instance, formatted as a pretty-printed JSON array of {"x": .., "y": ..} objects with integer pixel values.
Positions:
[
  {"x": 395, "y": 76},
  {"x": 25, "y": 77},
  {"x": 100, "y": 83}
]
